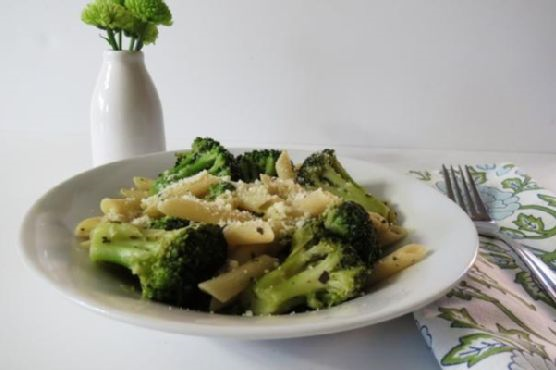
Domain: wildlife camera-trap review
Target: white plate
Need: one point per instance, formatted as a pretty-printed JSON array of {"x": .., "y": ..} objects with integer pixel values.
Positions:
[{"x": 433, "y": 220}]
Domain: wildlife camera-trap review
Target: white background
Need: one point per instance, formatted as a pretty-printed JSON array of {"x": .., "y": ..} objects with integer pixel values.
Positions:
[{"x": 465, "y": 74}]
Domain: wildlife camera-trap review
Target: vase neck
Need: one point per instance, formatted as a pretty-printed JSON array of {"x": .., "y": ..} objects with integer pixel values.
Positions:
[{"x": 124, "y": 56}]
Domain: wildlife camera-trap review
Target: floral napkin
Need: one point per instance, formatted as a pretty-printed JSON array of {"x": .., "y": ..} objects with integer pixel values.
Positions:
[{"x": 496, "y": 317}]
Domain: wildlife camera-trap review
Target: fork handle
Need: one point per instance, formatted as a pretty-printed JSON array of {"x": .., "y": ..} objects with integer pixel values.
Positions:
[{"x": 540, "y": 271}]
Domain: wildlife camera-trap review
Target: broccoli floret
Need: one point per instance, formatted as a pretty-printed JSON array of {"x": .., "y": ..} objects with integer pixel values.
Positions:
[
  {"x": 347, "y": 221},
  {"x": 168, "y": 223},
  {"x": 205, "y": 154},
  {"x": 351, "y": 223},
  {"x": 252, "y": 164},
  {"x": 215, "y": 190},
  {"x": 330, "y": 260},
  {"x": 317, "y": 276},
  {"x": 169, "y": 264},
  {"x": 322, "y": 169}
]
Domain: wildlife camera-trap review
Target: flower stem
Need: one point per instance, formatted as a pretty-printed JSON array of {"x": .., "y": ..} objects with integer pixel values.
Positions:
[
  {"x": 132, "y": 44},
  {"x": 142, "y": 32},
  {"x": 112, "y": 39},
  {"x": 120, "y": 40}
]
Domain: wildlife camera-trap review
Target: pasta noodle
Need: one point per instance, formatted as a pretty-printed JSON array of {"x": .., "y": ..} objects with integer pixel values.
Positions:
[
  {"x": 120, "y": 210},
  {"x": 83, "y": 229},
  {"x": 397, "y": 261},
  {"x": 201, "y": 211},
  {"x": 248, "y": 233},
  {"x": 244, "y": 253},
  {"x": 196, "y": 185},
  {"x": 142, "y": 183},
  {"x": 315, "y": 202},
  {"x": 133, "y": 193},
  {"x": 253, "y": 198},
  {"x": 226, "y": 286},
  {"x": 284, "y": 166},
  {"x": 387, "y": 233}
]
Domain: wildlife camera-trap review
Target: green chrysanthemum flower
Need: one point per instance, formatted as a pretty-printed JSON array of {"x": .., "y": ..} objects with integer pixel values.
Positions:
[
  {"x": 149, "y": 30},
  {"x": 108, "y": 14},
  {"x": 151, "y": 34},
  {"x": 153, "y": 11}
]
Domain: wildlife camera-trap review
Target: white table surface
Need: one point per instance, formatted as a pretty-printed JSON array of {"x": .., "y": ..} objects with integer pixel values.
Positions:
[{"x": 40, "y": 329}]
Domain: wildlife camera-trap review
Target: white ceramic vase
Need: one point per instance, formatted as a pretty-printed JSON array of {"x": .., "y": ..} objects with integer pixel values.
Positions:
[{"x": 126, "y": 116}]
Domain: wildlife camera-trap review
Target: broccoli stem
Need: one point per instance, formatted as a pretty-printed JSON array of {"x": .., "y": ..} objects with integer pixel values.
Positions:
[
  {"x": 112, "y": 40},
  {"x": 283, "y": 296},
  {"x": 123, "y": 252},
  {"x": 289, "y": 285},
  {"x": 122, "y": 256},
  {"x": 350, "y": 191}
]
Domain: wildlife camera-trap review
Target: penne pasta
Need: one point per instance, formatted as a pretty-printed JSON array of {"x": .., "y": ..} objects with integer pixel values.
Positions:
[
  {"x": 120, "y": 210},
  {"x": 196, "y": 185},
  {"x": 314, "y": 202},
  {"x": 387, "y": 233},
  {"x": 284, "y": 166},
  {"x": 201, "y": 211},
  {"x": 142, "y": 183},
  {"x": 83, "y": 229},
  {"x": 253, "y": 198},
  {"x": 85, "y": 243},
  {"x": 244, "y": 253},
  {"x": 133, "y": 193},
  {"x": 150, "y": 207},
  {"x": 248, "y": 233},
  {"x": 397, "y": 261},
  {"x": 228, "y": 285}
]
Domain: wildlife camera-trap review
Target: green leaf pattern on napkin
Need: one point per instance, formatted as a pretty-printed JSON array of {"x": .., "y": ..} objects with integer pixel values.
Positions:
[
  {"x": 474, "y": 348},
  {"x": 497, "y": 317}
]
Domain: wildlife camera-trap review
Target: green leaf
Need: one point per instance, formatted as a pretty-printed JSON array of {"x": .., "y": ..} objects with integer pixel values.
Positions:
[
  {"x": 549, "y": 258},
  {"x": 474, "y": 348},
  {"x": 479, "y": 177},
  {"x": 529, "y": 183},
  {"x": 461, "y": 293},
  {"x": 522, "y": 339},
  {"x": 422, "y": 175},
  {"x": 108, "y": 14},
  {"x": 514, "y": 183},
  {"x": 529, "y": 223},
  {"x": 548, "y": 199},
  {"x": 497, "y": 255},
  {"x": 518, "y": 185},
  {"x": 458, "y": 318},
  {"x": 152, "y": 11},
  {"x": 525, "y": 279}
]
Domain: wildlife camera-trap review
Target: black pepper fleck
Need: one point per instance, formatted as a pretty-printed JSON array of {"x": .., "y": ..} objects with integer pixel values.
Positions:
[{"x": 324, "y": 277}]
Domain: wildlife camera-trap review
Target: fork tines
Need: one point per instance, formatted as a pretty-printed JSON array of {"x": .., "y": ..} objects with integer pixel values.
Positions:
[{"x": 465, "y": 195}]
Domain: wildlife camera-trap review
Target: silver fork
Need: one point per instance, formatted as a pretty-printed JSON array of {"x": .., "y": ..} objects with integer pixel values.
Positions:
[{"x": 468, "y": 198}]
